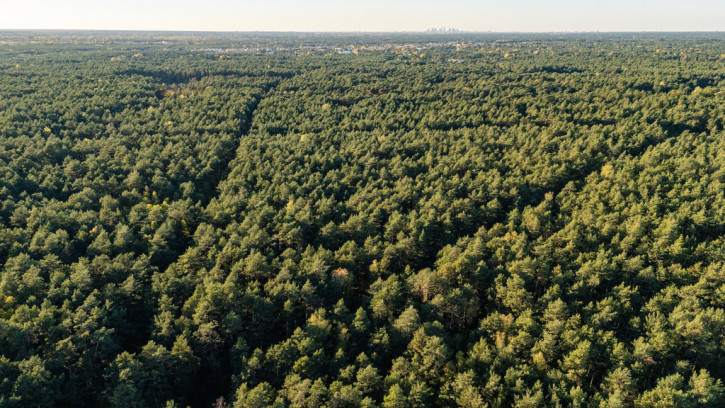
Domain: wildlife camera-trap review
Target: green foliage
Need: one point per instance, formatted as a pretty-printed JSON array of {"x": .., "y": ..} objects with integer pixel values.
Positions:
[{"x": 490, "y": 221}]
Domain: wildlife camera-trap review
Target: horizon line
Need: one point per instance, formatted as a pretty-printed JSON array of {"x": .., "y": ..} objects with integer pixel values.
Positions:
[{"x": 426, "y": 31}]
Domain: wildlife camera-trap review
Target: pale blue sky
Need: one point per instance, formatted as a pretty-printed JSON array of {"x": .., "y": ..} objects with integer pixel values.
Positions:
[{"x": 368, "y": 15}]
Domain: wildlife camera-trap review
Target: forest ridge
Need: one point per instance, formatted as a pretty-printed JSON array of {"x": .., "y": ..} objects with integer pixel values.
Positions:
[{"x": 388, "y": 220}]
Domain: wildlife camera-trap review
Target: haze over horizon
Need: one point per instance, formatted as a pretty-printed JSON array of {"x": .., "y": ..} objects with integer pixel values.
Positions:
[{"x": 370, "y": 16}]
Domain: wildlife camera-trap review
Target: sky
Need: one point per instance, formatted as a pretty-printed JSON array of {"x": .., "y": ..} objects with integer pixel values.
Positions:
[{"x": 367, "y": 15}]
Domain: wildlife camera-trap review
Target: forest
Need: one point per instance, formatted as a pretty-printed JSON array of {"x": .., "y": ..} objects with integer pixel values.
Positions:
[{"x": 362, "y": 220}]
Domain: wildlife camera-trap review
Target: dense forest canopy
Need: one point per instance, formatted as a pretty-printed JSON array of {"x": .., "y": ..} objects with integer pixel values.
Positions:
[{"x": 360, "y": 220}]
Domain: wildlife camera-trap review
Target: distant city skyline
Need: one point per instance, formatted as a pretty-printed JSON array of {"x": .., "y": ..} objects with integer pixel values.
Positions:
[{"x": 371, "y": 15}]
